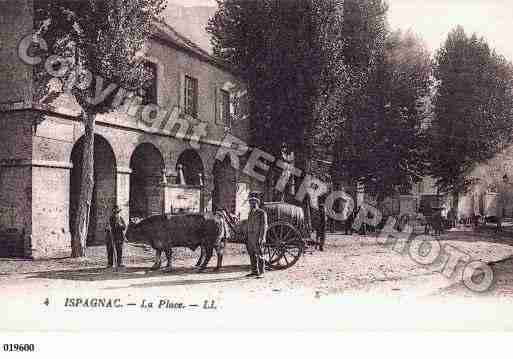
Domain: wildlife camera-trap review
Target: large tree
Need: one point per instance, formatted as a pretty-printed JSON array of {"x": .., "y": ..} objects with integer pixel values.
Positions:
[
  {"x": 378, "y": 131},
  {"x": 290, "y": 54},
  {"x": 397, "y": 158},
  {"x": 473, "y": 108},
  {"x": 328, "y": 74},
  {"x": 353, "y": 121},
  {"x": 101, "y": 42}
]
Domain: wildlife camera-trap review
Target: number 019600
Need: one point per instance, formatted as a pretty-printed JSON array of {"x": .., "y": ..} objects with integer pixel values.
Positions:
[{"x": 19, "y": 347}]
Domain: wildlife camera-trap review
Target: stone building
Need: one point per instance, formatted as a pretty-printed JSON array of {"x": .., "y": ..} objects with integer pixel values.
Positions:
[
  {"x": 143, "y": 168},
  {"x": 491, "y": 193}
]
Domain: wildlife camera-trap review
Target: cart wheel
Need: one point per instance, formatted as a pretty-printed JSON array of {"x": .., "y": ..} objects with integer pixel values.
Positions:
[{"x": 284, "y": 246}]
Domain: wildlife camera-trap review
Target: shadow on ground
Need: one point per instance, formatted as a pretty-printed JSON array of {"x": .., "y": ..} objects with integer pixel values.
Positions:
[
  {"x": 480, "y": 235},
  {"x": 173, "y": 283},
  {"x": 103, "y": 274}
]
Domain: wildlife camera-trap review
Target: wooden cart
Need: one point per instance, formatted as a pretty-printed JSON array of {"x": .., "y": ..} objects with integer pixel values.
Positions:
[{"x": 286, "y": 234}]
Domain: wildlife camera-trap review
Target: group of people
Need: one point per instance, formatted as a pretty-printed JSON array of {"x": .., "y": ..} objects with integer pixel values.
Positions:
[{"x": 257, "y": 231}]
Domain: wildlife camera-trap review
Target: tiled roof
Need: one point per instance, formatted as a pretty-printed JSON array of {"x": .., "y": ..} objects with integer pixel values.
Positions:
[{"x": 167, "y": 33}]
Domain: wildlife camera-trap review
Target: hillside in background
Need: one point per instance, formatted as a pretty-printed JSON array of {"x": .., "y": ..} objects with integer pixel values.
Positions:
[{"x": 191, "y": 22}]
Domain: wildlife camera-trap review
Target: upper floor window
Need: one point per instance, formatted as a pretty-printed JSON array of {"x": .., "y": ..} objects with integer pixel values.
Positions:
[
  {"x": 149, "y": 88},
  {"x": 191, "y": 96},
  {"x": 225, "y": 107}
]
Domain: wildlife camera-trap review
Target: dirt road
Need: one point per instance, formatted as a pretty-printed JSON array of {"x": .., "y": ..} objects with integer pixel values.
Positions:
[{"x": 348, "y": 279}]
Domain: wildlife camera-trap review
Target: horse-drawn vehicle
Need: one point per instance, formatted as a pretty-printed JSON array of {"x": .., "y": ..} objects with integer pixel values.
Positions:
[{"x": 285, "y": 242}]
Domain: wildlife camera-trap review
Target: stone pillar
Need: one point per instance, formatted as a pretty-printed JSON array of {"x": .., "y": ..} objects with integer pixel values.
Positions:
[
  {"x": 163, "y": 179},
  {"x": 123, "y": 191},
  {"x": 180, "y": 176},
  {"x": 49, "y": 208},
  {"x": 171, "y": 179}
]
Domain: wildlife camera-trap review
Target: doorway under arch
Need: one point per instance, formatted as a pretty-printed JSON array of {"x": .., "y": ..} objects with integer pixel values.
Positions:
[
  {"x": 104, "y": 190},
  {"x": 146, "y": 196}
]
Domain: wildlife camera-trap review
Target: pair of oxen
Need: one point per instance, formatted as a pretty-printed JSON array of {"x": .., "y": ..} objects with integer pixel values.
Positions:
[{"x": 208, "y": 231}]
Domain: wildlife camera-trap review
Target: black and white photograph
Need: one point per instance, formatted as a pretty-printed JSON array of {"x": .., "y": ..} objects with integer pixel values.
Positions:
[{"x": 289, "y": 165}]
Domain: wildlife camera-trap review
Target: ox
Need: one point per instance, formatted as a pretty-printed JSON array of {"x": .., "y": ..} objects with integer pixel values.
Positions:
[{"x": 164, "y": 232}]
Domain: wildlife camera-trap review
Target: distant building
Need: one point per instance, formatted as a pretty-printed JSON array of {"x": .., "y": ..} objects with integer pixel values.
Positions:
[{"x": 492, "y": 191}]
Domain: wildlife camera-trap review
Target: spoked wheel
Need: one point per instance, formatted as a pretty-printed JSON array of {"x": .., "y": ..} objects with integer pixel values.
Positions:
[{"x": 284, "y": 246}]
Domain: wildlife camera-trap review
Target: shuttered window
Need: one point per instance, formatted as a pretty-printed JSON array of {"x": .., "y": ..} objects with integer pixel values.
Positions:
[
  {"x": 191, "y": 96},
  {"x": 225, "y": 107}
]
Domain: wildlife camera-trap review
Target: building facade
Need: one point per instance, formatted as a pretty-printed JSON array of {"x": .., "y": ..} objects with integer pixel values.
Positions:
[{"x": 144, "y": 168}]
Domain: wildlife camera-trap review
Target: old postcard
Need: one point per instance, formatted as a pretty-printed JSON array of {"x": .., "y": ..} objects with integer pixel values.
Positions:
[{"x": 177, "y": 165}]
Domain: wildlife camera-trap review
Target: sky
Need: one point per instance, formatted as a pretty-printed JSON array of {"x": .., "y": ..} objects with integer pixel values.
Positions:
[
  {"x": 194, "y": 2},
  {"x": 433, "y": 19}
]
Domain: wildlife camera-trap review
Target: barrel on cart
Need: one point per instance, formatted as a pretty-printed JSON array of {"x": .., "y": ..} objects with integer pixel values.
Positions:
[{"x": 286, "y": 234}]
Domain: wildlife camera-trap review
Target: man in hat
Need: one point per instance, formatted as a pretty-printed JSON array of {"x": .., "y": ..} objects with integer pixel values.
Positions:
[
  {"x": 115, "y": 238},
  {"x": 257, "y": 230}
]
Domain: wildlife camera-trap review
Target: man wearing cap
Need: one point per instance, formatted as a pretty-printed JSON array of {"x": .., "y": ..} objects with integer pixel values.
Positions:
[
  {"x": 257, "y": 230},
  {"x": 115, "y": 238}
]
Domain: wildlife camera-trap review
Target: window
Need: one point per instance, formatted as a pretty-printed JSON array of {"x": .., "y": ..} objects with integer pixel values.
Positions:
[
  {"x": 149, "y": 88},
  {"x": 225, "y": 108},
  {"x": 191, "y": 96}
]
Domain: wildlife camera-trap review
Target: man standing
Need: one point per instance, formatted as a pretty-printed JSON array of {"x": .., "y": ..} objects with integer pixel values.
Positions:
[
  {"x": 115, "y": 238},
  {"x": 257, "y": 230},
  {"x": 321, "y": 231}
]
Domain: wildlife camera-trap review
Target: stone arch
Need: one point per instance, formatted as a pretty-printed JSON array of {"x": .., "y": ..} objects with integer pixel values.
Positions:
[
  {"x": 146, "y": 195},
  {"x": 192, "y": 167},
  {"x": 104, "y": 191}
]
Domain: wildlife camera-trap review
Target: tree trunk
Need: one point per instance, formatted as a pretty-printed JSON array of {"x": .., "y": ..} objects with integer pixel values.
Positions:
[
  {"x": 305, "y": 161},
  {"x": 81, "y": 225}
]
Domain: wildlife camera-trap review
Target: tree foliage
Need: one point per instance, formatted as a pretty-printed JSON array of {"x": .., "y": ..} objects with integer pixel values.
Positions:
[
  {"x": 289, "y": 53},
  {"x": 380, "y": 143},
  {"x": 398, "y": 155},
  {"x": 99, "y": 43},
  {"x": 102, "y": 42},
  {"x": 327, "y": 74},
  {"x": 473, "y": 108},
  {"x": 379, "y": 132}
]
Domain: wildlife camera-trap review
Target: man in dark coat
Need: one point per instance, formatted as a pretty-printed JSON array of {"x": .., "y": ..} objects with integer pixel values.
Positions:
[
  {"x": 257, "y": 231},
  {"x": 115, "y": 238}
]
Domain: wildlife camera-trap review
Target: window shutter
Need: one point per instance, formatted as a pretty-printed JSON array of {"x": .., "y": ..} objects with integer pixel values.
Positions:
[
  {"x": 196, "y": 97},
  {"x": 217, "y": 107},
  {"x": 220, "y": 106},
  {"x": 181, "y": 92}
]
